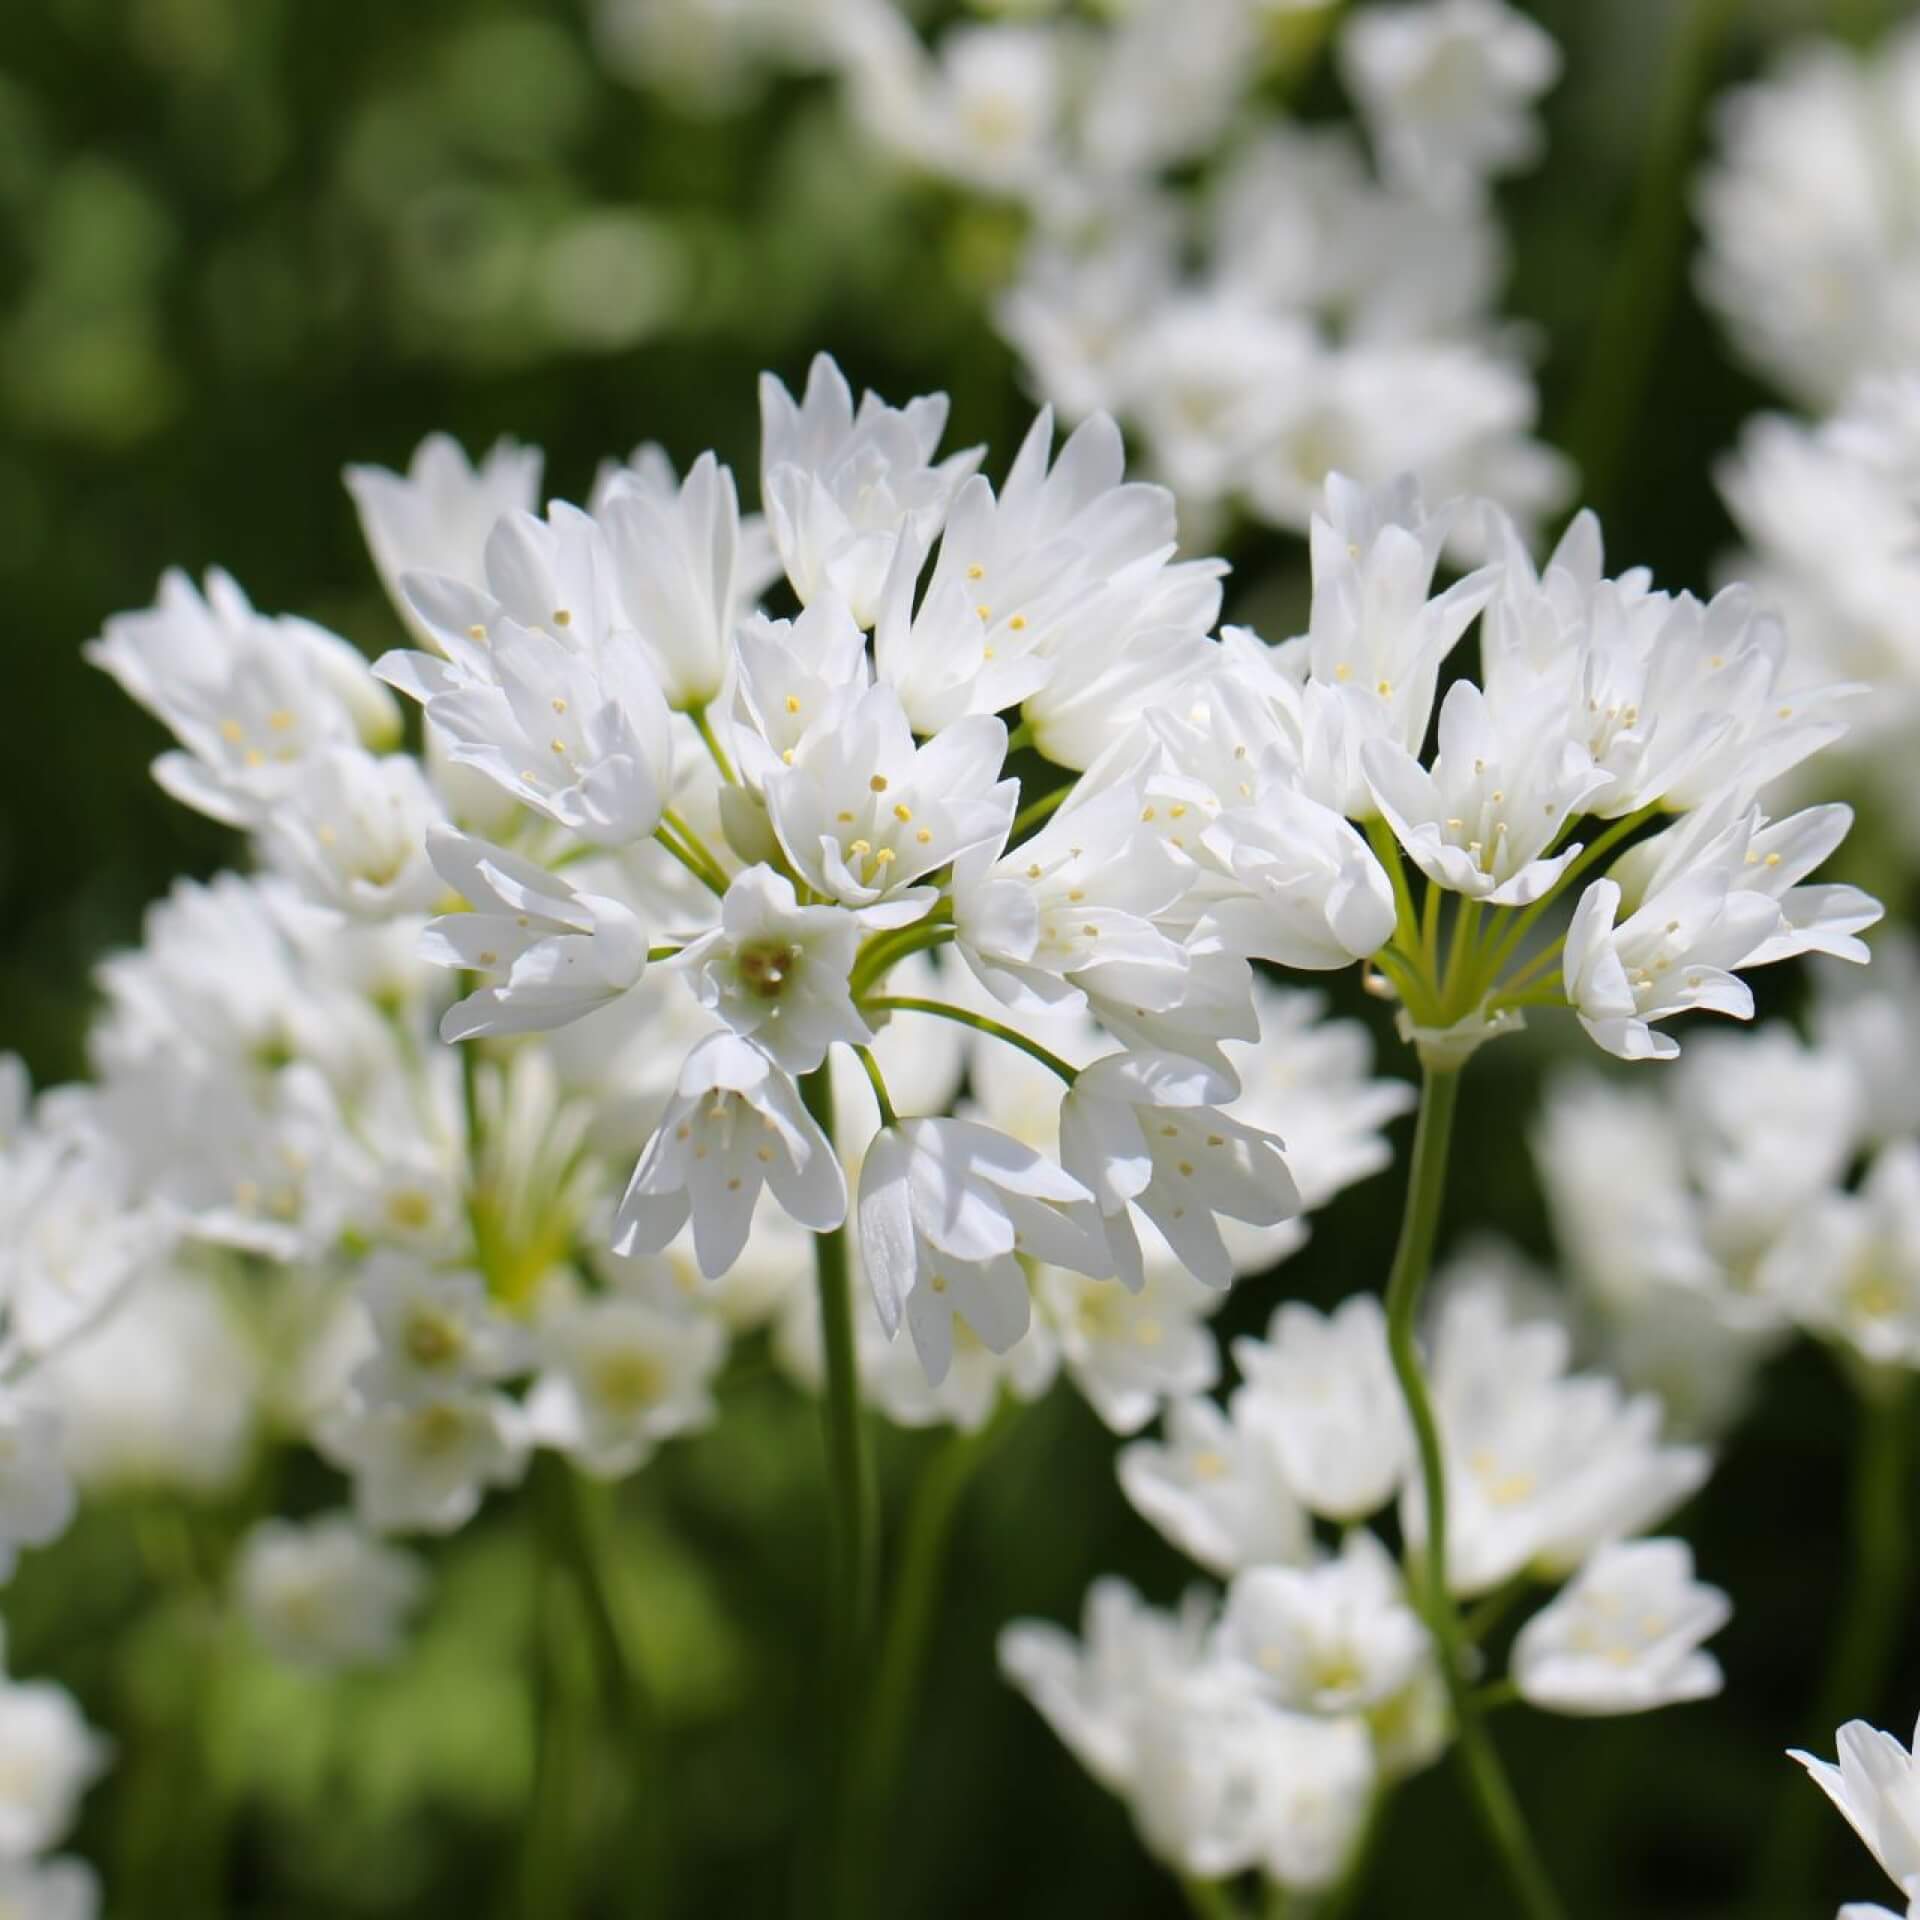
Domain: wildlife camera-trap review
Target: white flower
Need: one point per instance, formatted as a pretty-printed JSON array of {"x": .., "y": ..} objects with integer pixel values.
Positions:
[
  {"x": 322, "y": 1594},
  {"x": 1321, "y": 1392},
  {"x": 947, "y": 1209},
  {"x": 1542, "y": 1467},
  {"x": 1674, "y": 954},
  {"x": 1624, "y": 1637},
  {"x": 352, "y": 830},
  {"x": 1447, "y": 89},
  {"x": 1850, "y": 1263},
  {"x": 435, "y": 517},
  {"x": 843, "y": 490},
  {"x": 1308, "y": 1081},
  {"x": 542, "y": 688},
  {"x": 1809, "y": 259},
  {"x": 680, "y": 577},
  {"x": 1216, "y": 1491},
  {"x": 564, "y": 953},
  {"x": 1142, "y": 1128},
  {"x": 36, "y": 1495},
  {"x": 619, "y": 1377},
  {"x": 247, "y": 696},
  {"x": 424, "y": 1467},
  {"x": 1091, "y": 1691},
  {"x": 162, "y": 1394},
  {"x": 790, "y": 673},
  {"x": 863, "y": 812},
  {"x": 777, "y": 972},
  {"x": 1331, "y": 1639},
  {"x": 1040, "y": 925},
  {"x": 1876, "y": 1786},
  {"x": 51, "y": 1757},
  {"x": 734, "y": 1124},
  {"x": 435, "y": 1333},
  {"x": 1504, "y": 782},
  {"x": 49, "y": 1890},
  {"x": 1378, "y": 635},
  {"x": 1129, "y": 1352}
]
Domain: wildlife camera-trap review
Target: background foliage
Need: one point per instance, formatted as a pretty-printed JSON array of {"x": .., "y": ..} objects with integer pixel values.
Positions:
[{"x": 243, "y": 242}]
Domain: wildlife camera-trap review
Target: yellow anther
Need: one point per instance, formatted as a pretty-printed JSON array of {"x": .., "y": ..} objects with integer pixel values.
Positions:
[
  {"x": 976, "y": 571},
  {"x": 232, "y": 732},
  {"x": 924, "y": 835},
  {"x": 561, "y": 617},
  {"x": 985, "y": 612},
  {"x": 903, "y": 814},
  {"x": 280, "y": 719},
  {"x": 476, "y": 633},
  {"x": 878, "y": 783},
  {"x": 1018, "y": 623},
  {"x": 559, "y": 705},
  {"x": 793, "y": 703}
]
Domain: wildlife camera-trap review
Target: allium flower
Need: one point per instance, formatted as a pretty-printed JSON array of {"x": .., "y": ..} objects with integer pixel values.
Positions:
[
  {"x": 778, "y": 973},
  {"x": 947, "y": 1209},
  {"x": 1321, "y": 1391},
  {"x": 353, "y": 832},
  {"x": 1624, "y": 1636},
  {"x": 50, "y": 1889},
  {"x": 53, "y": 1757},
  {"x": 435, "y": 1333},
  {"x": 424, "y": 1465},
  {"x": 1446, "y": 90},
  {"x": 1130, "y": 1352},
  {"x": 435, "y": 518},
  {"x": 1543, "y": 1467},
  {"x": 36, "y": 1495},
  {"x": 1214, "y": 1488},
  {"x": 1332, "y": 1639},
  {"x": 323, "y": 1594},
  {"x": 563, "y": 952},
  {"x": 618, "y": 1378},
  {"x": 734, "y": 1124}
]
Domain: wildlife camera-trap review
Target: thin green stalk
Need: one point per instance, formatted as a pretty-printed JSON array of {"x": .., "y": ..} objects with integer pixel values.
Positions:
[
  {"x": 1430, "y": 930},
  {"x": 886, "y": 949},
  {"x": 1877, "y": 1607},
  {"x": 1462, "y": 950},
  {"x": 1386, "y": 848},
  {"x": 1493, "y": 1798},
  {"x": 1035, "y": 811},
  {"x": 549, "y": 1863},
  {"x": 875, "y": 1079},
  {"x": 979, "y": 1022},
  {"x": 703, "y": 725},
  {"x": 1639, "y": 292},
  {"x": 708, "y": 875},
  {"x": 1602, "y": 844},
  {"x": 917, "y": 1588},
  {"x": 1211, "y": 1900},
  {"x": 578, "y": 1546},
  {"x": 849, "y": 1468}
]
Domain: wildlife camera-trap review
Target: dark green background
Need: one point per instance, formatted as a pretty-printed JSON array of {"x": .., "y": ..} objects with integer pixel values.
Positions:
[{"x": 243, "y": 242}]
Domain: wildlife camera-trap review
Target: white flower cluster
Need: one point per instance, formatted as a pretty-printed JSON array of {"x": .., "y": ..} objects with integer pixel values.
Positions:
[
  {"x": 1830, "y": 516},
  {"x": 51, "y": 1758},
  {"x": 691, "y": 862},
  {"x": 1319, "y": 302},
  {"x": 1776, "y": 1187},
  {"x": 1812, "y": 256},
  {"x": 1256, "y": 1734}
]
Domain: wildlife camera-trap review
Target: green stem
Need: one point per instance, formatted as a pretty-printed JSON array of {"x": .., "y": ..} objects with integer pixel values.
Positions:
[
  {"x": 703, "y": 725},
  {"x": 1640, "y": 288},
  {"x": 885, "y": 949},
  {"x": 1462, "y": 951},
  {"x": 1426, "y": 1188},
  {"x": 578, "y": 1546},
  {"x": 855, "y": 1529},
  {"x": 1881, "y": 1520},
  {"x": 1035, "y": 811},
  {"x": 1211, "y": 1899},
  {"x": 979, "y": 1022},
  {"x": 1386, "y": 848},
  {"x": 1602, "y": 844},
  {"x": 548, "y": 1857},
  {"x": 918, "y": 1585},
  {"x": 701, "y": 868}
]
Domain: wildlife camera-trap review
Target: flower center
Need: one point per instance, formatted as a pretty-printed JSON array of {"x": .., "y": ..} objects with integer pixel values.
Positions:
[{"x": 766, "y": 966}]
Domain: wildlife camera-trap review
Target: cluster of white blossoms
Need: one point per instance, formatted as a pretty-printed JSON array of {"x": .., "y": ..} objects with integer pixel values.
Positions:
[
  {"x": 1775, "y": 1187},
  {"x": 1257, "y": 1731},
  {"x": 1812, "y": 256},
  {"x": 1811, "y": 198},
  {"x": 1262, "y": 299},
  {"x": 51, "y": 1758},
  {"x": 875, "y": 884}
]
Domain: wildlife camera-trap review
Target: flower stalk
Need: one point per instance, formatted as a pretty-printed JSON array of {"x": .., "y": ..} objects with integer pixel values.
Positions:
[{"x": 1493, "y": 1797}]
